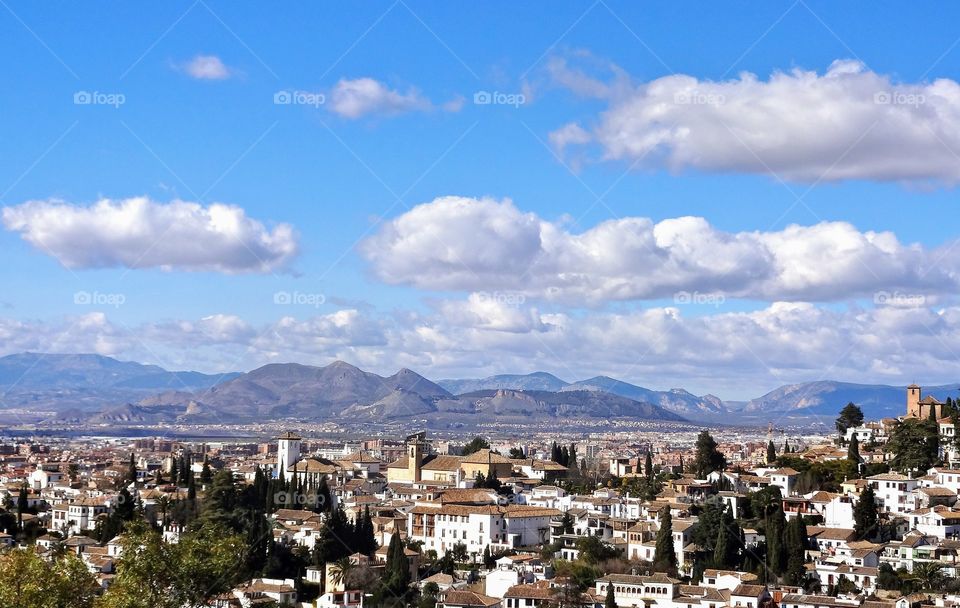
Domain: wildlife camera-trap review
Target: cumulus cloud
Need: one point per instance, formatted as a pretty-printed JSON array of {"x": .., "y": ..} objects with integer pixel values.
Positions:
[
  {"x": 359, "y": 97},
  {"x": 141, "y": 233},
  {"x": 727, "y": 352},
  {"x": 207, "y": 67},
  {"x": 847, "y": 123},
  {"x": 467, "y": 244}
]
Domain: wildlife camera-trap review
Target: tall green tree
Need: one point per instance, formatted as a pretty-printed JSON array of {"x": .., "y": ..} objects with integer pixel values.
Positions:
[
  {"x": 610, "y": 601},
  {"x": 853, "y": 450},
  {"x": 664, "y": 556},
  {"x": 771, "y": 452},
  {"x": 707, "y": 457},
  {"x": 795, "y": 542},
  {"x": 648, "y": 465},
  {"x": 850, "y": 416},
  {"x": 865, "y": 514},
  {"x": 915, "y": 446},
  {"x": 206, "y": 475},
  {"x": 396, "y": 576},
  {"x": 23, "y": 504},
  {"x": 132, "y": 469}
]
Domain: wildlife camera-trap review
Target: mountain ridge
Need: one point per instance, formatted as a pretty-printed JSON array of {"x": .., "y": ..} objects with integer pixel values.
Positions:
[{"x": 108, "y": 390}]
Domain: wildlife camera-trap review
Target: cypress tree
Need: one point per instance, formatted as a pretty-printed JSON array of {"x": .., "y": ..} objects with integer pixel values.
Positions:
[
  {"x": 22, "y": 504},
  {"x": 397, "y": 571},
  {"x": 776, "y": 528},
  {"x": 132, "y": 471},
  {"x": 721, "y": 549},
  {"x": 853, "y": 450},
  {"x": 206, "y": 475},
  {"x": 865, "y": 514},
  {"x": 664, "y": 557},
  {"x": 795, "y": 539},
  {"x": 648, "y": 466},
  {"x": 771, "y": 452},
  {"x": 610, "y": 601}
]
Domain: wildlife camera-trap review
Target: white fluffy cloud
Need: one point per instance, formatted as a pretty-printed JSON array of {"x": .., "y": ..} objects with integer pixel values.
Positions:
[
  {"x": 207, "y": 67},
  {"x": 477, "y": 245},
  {"x": 727, "y": 352},
  {"x": 847, "y": 123},
  {"x": 359, "y": 97},
  {"x": 141, "y": 233}
]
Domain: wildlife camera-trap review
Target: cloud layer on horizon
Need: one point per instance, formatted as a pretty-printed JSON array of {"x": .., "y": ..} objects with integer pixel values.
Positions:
[{"x": 726, "y": 352}]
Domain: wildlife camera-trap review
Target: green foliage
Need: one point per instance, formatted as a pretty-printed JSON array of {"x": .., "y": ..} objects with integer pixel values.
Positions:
[
  {"x": 516, "y": 453},
  {"x": 771, "y": 452},
  {"x": 582, "y": 575},
  {"x": 152, "y": 573},
  {"x": 476, "y": 444},
  {"x": 865, "y": 514},
  {"x": 719, "y": 535},
  {"x": 29, "y": 581},
  {"x": 795, "y": 542},
  {"x": 610, "y": 601},
  {"x": 914, "y": 444},
  {"x": 664, "y": 557},
  {"x": 850, "y": 416},
  {"x": 396, "y": 575},
  {"x": 594, "y": 551},
  {"x": 707, "y": 458},
  {"x": 853, "y": 450}
]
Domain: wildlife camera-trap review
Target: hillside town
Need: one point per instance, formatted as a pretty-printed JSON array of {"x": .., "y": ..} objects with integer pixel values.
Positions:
[{"x": 867, "y": 516}]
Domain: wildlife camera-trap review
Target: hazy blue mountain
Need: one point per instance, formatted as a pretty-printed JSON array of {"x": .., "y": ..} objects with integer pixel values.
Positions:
[
  {"x": 86, "y": 382},
  {"x": 78, "y": 385},
  {"x": 48, "y": 371},
  {"x": 827, "y": 397},
  {"x": 537, "y": 381},
  {"x": 506, "y": 403},
  {"x": 676, "y": 400}
]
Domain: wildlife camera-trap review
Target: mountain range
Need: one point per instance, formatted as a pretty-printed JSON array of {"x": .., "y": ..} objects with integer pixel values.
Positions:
[{"x": 102, "y": 390}]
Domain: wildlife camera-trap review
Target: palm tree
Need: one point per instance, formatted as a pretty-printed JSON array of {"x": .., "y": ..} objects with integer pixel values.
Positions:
[
  {"x": 929, "y": 576},
  {"x": 340, "y": 571}
]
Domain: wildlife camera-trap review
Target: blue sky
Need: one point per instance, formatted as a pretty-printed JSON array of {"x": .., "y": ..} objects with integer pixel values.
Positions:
[{"x": 198, "y": 123}]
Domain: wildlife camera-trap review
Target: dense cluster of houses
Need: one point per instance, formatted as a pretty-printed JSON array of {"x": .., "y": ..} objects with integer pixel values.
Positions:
[{"x": 520, "y": 525}]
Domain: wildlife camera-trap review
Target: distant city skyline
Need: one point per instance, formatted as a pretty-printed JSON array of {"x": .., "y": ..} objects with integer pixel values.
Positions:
[{"x": 720, "y": 200}]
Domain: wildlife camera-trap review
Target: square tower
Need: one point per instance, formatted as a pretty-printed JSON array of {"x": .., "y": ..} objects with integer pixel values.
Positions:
[
  {"x": 416, "y": 450},
  {"x": 288, "y": 453},
  {"x": 913, "y": 402}
]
